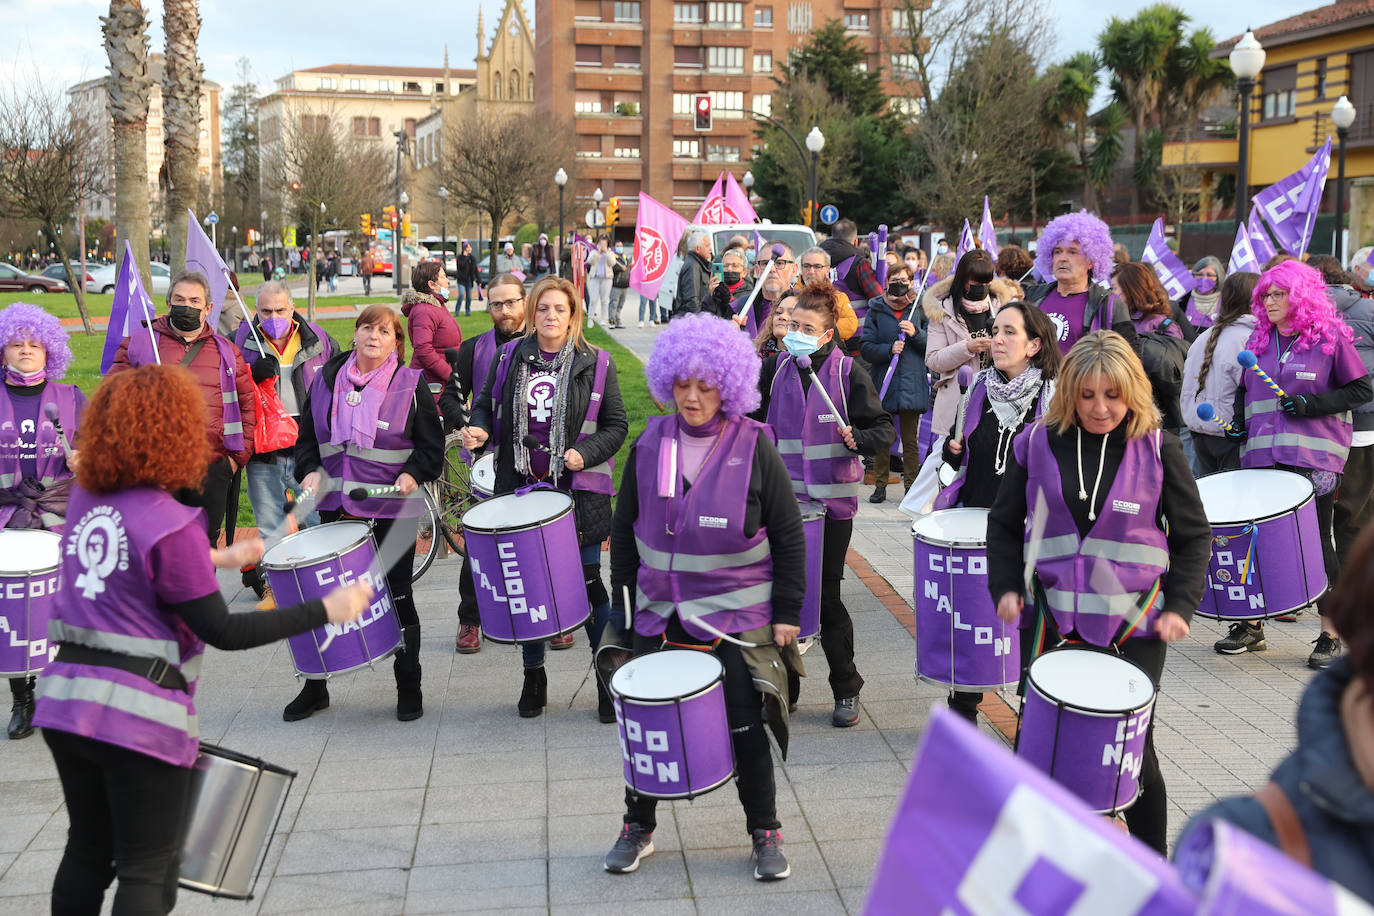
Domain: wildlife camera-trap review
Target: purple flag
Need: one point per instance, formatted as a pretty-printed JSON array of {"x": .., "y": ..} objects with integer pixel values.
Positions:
[
  {"x": 1260, "y": 243},
  {"x": 965, "y": 244},
  {"x": 987, "y": 232},
  {"x": 1242, "y": 253},
  {"x": 202, "y": 256},
  {"x": 132, "y": 306},
  {"x": 1177, "y": 279},
  {"x": 980, "y": 831},
  {"x": 1290, "y": 204}
]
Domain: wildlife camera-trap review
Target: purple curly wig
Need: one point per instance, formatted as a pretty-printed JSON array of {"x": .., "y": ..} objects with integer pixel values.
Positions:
[
  {"x": 1310, "y": 312},
  {"x": 711, "y": 349},
  {"x": 1092, "y": 236},
  {"x": 22, "y": 321}
]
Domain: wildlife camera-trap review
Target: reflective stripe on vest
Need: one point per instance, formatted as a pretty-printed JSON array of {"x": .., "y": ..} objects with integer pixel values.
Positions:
[
  {"x": 701, "y": 607},
  {"x": 121, "y": 697},
  {"x": 381, "y": 455},
  {"x": 699, "y": 563},
  {"x": 138, "y": 646}
]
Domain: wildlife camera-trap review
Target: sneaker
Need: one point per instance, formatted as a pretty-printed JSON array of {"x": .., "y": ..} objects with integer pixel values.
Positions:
[
  {"x": 769, "y": 862},
  {"x": 562, "y": 642},
  {"x": 268, "y": 602},
  {"x": 1328, "y": 649},
  {"x": 634, "y": 844},
  {"x": 641, "y": 324},
  {"x": 846, "y": 712},
  {"x": 1242, "y": 637},
  {"x": 1291, "y": 617},
  {"x": 469, "y": 639},
  {"x": 879, "y": 494}
]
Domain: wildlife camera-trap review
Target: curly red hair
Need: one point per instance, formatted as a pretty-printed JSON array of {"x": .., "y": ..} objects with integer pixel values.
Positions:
[{"x": 144, "y": 428}]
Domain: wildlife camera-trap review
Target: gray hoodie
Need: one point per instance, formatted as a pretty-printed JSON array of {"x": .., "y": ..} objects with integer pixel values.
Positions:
[
  {"x": 1358, "y": 313},
  {"x": 1222, "y": 379}
]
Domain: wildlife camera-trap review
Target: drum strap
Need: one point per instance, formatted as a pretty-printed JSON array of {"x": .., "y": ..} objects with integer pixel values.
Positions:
[
  {"x": 1128, "y": 626},
  {"x": 154, "y": 669},
  {"x": 698, "y": 646},
  {"x": 1284, "y": 819}
]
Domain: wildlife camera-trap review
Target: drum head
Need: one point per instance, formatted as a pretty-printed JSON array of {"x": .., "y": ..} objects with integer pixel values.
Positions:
[
  {"x": 517, "y": 510},
  {"x": 484, "y": 475},
  {"x": 328, "y": 540},
  {"x": 667, "y": 675},
  {"x": 1091, "y": 681},
  {"x": 953, "y": 528},
  {"x": 811, "y": 508},
  {"x": 1237, "y": 497},
  {"x": 28, "y": 550}
]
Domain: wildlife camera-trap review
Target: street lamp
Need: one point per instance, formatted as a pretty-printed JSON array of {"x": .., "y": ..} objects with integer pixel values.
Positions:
[
  {"x": 443, "y": 227},
  {"x": 401, "y": 149},
  {"x": 815, "y": 142},
  {"x": 596, "y": 200},
  {"x": 234, "y": 232},
  {"x": 1247, "y": 60},
  {"x": 560, "y": 178},
  {"x": 1342, "y": 115}
]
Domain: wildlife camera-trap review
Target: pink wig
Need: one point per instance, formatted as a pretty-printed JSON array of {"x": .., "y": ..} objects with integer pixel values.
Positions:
[
  {"x": 1092, "y": 236},
  {"x": 1310, "y": 312},
  {"x": 712, "y": 349},
  {"x": 22, "y": 321}
]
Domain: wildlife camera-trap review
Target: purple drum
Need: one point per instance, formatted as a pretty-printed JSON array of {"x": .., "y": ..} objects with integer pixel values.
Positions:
[
  {"x": 959, "y": 640},
  {"x": 310, "y": 564},
  {"x": 1086, "y": 715},
  {"x": 524, "y": 556},
  {"x": 670, "y": 712},
  {"x": 29, "y": 582},
  {"x": 1266, "y": 545},
  {"x": 813, "y": 526}
]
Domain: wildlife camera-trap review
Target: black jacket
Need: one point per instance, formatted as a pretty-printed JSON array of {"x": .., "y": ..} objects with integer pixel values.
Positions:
[
  {"x": 593, "y": 510},
  {"x": 465, "y": 270},
  {"x": 871, "y": 425},
  {"x": 1100, "y": 300},
  {"x": 693, "y": 286}
]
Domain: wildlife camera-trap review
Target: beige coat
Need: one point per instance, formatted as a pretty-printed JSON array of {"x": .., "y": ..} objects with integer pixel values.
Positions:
[{"x": 947, "y": 344}]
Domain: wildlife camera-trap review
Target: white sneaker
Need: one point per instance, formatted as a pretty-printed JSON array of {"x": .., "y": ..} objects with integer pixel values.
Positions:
[{"x": 641, "y": 324}]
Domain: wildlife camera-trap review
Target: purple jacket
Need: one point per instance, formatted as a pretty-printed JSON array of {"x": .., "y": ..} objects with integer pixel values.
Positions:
[
  {"x": 52, "y": 461},
  {"x": 1316, "y": 443}
]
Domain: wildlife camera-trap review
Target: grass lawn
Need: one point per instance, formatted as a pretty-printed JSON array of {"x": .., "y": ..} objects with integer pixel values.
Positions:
[{"x": 63, "y": 305}]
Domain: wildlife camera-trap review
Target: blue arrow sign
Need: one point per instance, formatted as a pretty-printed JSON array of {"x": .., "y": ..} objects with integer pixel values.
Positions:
[{"x": 829, "y": 214}]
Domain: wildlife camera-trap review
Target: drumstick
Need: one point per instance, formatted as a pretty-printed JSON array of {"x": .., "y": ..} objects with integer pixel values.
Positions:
[
  {"x": 725, "y": 636},
  {"x": 358, "y": 494},
  {"x": 804, "y": 363},
  {"x": 532, "y": 443},
  {"x": 50, "y": 411},
  {"x": 1248, "y": 361},
  {"x": 965, "y": 378},
  {"x": 629, "y": 622},
  {"x": 1208, "y": 414},
  {"x": 1037, "y": 537}
]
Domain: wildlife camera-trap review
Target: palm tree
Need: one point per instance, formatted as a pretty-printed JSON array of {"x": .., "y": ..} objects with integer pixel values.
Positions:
[
  {"x": 1071, "y": 93},
  {"x": 126, "y": 45},
  {"x": 1193, "y": 77},
  {"x": 181, "y": 82}
]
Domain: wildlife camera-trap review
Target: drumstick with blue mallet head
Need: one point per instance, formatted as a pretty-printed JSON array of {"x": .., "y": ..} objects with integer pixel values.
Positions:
[
  {"x": 1208, "y": 414},
  {"x": 1249, "y": 361},
  {"x": 50, "y": 411},
  {"x": 804, "y": 364}
]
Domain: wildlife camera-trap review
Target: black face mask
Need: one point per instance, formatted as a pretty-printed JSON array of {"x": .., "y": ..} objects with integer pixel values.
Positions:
[
  {"x": 897, "y": 289},
  {"x": 977, "y": 292},
  {"x": 730, "y": 278},
  {"x": 185, "y": 318}
]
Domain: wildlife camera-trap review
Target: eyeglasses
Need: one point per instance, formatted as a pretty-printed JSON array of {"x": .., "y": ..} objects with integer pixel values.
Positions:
[
  {"x": 806, "y": 266},
  {"x": 783, "y": 262},
  {"x": 1274, "y": 295},
  {"x": 505, "y": 304}
]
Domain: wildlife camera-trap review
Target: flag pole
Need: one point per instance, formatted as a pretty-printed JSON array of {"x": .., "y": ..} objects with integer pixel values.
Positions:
[{"x": 246, "y": 316}]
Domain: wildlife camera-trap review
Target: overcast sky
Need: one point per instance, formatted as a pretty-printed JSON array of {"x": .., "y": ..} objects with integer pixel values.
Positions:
[{"x": 62, "y": 39}]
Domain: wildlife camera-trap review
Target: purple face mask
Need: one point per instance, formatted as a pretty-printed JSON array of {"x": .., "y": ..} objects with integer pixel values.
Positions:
[
  {"x": 276, "y": 328},
  {"x": 1205, "y": 285}
]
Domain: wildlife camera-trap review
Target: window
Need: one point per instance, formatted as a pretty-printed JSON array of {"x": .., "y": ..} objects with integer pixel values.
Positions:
[
  {"x": 627, "y": 57},
  {"x": 763, "y": 62},
  {"x": 716, "y": 152},
  {"x": 686, "y": 149},
  {"x": 903, "y": 65},
  {"x": 588, "y": 147},
  {"x": 360, "y": 127},
  {"x": 313, "y": 123},
  {"x": 353, "y": 85},
  {"x": 727, "y": 104},
  {"x": 725, "y": 15},
  {"x": 904, "y": 22},
  {"x": 410, "y": 128},
  {"x": 1321, "y": 78},
  {"x": 763, "y": 103},
  {"x": 385, "y": 86},
  {"x": 328, "y": 82},
  {"x": 1279, "y": 92},
  {"x": 627, "y": 11},
  {"x": 856, "y": 22},
  {"x": 687, "y": 13},
  {"x": 688, "y": 58},
  {"x": 439, "y": 88},
  {"x": 683, "y": 103},
  {"x": 587, "y": 103},
  {"x": 409, "y": 86},
  {"x": 587, "y": 56},
  {"x": 763, "y": 17},
  {"x": 798, "y": 18},
  {"x": 588, "y": 10},
  {"x": 627, "y": 152},
  {"x": 725, "y": 60},
  {"x": 862, "y": 66}
]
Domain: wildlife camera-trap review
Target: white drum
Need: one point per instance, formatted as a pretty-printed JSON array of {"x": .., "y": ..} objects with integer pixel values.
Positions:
[
  {"x": 30, "y": 576},
  {"x": 484, "y": 475}
]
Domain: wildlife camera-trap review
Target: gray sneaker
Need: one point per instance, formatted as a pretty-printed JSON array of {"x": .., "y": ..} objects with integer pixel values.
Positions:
[
  {"x": 1327, "y": 651},
  {"x": 1242, "y": 637},
  {"x": 769, "y": 862},
  {"x": 634, "y": 844},
  {"x": 846, "y": 712}
]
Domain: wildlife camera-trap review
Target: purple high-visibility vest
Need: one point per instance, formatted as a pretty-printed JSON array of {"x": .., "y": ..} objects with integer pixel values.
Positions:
[
  {"x": 694, "y": 557},
  {"x": 1199, "y": 320},
  {"x": 108, "y": 602},
  {"x": 483, "y": 354},
  {"x": 1317, "y": 443},
  {"x": 596, "y": 479},
  {"x": 973, "y": 415},
  {"x": 354, "y": 466},
  {"x": 821, "y": 466},
  {"x": 52, "y": 461},
  {"x": 1093, "y": 583},
  {"x": 140, "y": 353}
]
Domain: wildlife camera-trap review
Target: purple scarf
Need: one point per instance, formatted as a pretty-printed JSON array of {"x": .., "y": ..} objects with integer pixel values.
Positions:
[{"x": 357, "y": 423}]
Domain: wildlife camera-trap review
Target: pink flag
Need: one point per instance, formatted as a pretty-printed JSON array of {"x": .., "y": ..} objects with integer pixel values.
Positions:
[
  {"x": 987, "y": 231},
  {"x": 714, "y": 210},
  {"x": 737, "y": 202},
  {"x": 202, "y": 256},
  {"x": 658, "y": 229}
]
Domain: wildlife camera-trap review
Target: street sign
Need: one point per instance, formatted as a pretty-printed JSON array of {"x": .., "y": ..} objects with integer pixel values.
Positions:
[
  {"x": 829, "y": 214},
  {"x": 213, "y": 218},
  {"x": 288, "y": 235},
  {"x": 595, "y": 219}
]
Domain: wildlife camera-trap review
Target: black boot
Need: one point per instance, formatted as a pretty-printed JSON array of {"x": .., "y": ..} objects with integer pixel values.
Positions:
[
  {"x": 410, "y": 702},
  {"x": 21, "y": 715},
  {"x": 535, "y": 694},
  {"x": 605, "y": 706},
  {"x": 313, "y": 697}
]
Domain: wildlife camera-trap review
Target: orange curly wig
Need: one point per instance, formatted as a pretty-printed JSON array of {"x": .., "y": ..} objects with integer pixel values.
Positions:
[{"x": 144, "y": 428}]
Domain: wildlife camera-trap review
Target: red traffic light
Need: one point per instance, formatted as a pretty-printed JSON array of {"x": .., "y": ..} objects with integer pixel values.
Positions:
[
  {"x": 703, "y": 112},
  {"x": 295, "y": 186},
  {"x": 394, "y": 219}
]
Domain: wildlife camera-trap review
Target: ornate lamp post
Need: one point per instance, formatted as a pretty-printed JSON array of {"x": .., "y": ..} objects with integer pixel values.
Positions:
[{"x": 1247, "y": 60}]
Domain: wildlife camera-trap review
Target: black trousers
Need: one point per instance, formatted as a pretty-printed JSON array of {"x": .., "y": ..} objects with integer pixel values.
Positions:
[
  {"x": 753, "y": 757},
  {"x": 213, "y": 497},
  {"x": 837, "y": 630},
  {"x": 1215, "y": 453},
  {"x": 126, "y": 811},
  {"x": 1354, "y": 508}
]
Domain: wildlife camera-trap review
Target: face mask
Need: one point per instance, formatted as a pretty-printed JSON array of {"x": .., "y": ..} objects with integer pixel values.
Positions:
[
  {"x": 275, "y": 327},
  {"x": 799, "y": 344},
  {"x": 731, "y": 277},
  {"x": 185, "y": 318},
  {"x": 19, "y": 380},
  {"x": 898, "y": 288},
  {"x": 977, "y": 292},
  {"x": 441, "y": 294},
  {"x": 1205, "y": 285},
  {"x": 620, "y": 249}
]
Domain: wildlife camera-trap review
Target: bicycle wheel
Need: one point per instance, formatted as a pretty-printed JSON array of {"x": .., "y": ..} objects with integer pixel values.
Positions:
[
  {"x": 453, "y": 492},
  {"x": 427, "y": 540}
]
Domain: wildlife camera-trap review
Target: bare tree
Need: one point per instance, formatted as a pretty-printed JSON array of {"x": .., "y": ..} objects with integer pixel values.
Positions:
[
  {"x": 181, "y": 84},
  {"x": 48, "y": 161},
  {"x": 126, "y": 46}
]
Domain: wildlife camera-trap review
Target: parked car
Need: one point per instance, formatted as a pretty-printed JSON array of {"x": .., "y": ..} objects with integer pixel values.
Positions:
[
  {"x": 103, "y": 279},
  {"x": 12, "y": 278},
  {"x": 58, "y": 272}
]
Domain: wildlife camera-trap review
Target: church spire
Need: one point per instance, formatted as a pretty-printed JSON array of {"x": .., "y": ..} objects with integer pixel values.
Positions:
[{"x": 481, "y": 36}]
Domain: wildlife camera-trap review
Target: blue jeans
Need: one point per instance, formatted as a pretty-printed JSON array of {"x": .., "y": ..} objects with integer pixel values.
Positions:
[
  {"x": 651, "y": 305},
  {"x": 268, "y": 484},
  {"x": 533, "y": 652},
  {"x": 466, "y": 302}
]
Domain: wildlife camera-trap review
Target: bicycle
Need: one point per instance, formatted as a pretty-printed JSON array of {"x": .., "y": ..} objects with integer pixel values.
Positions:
[{"x": 446, "y": 499}]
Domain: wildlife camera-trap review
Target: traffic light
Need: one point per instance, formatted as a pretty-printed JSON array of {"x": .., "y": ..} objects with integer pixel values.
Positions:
[
  {"x": 390, "y": 213},
  {"x": 703, "y": 112},
  {"x": 295, "y": 186},
  {"x": 613, "y": 211},
  {"x": 405, "y": 226},
  {"x": 367, "y": 224},
  {"x": 806, "y": 215}
]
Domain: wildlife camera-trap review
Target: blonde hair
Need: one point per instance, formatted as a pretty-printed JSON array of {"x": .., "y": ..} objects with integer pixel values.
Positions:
[
  {"x": 574, "y": 305},
  {"x": 1106, "y": 353}
]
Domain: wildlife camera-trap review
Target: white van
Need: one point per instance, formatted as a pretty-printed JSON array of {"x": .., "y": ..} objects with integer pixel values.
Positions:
[{"x": 794, "y": 235}]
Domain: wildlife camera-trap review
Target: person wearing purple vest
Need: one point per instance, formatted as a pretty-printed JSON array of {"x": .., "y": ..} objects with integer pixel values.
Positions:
[
  {"x": 1201, "y": 304},
  {"x": 506, "y": 306},
  {"x": 1000, "y": 401},
  {"x": 231, "y": 411},
  {"x": 35, "y": 468},
  {"x": 554, "y": 389},
  {"x": 1106, "y": 477},
  {"x": 822, "y": 454},
  {"x": 708, "y": 538},
  {"x": 1075, "y": 252},
  {"x": 368, "y": 421},
  {"x": 1302, "y": 344},
  {"x": 140, "y": 602}
]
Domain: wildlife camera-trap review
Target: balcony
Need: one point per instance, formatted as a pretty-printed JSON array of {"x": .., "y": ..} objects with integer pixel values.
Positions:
[{"x": 1213, "y": 155}]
